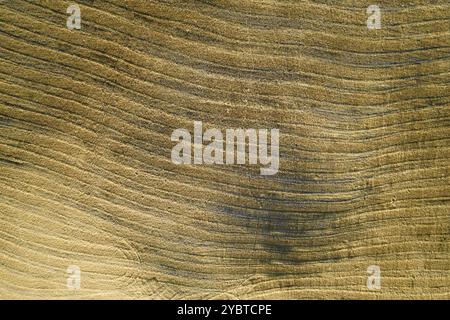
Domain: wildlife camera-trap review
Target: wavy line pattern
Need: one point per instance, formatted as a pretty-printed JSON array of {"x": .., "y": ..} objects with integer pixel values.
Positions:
[{"x": 85, "y": 124}]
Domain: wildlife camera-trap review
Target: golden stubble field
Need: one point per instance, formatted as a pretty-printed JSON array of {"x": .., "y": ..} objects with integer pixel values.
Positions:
[{"x": 86, "y": 177}]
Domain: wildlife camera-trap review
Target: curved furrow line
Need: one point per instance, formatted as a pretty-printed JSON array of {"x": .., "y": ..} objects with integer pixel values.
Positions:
[
  {"x": 245, "y": 26},
  {"x": 215, "y": 91},
  {"x": 204, "y": 85},
  {"x": 288, "y": 135},
  {"x": 383, "y": 126},
  {"x": 335, "y": 250},
  {"x": 213, "y": 102},
  {"x": 38, "y": 79},
  {"x": 86, "y": 117},
  {"x": 228, "y": 5},
  {"x": 220, "y": 19},
  {"x": 359, "y": 223},
  {"x": 191, "y": 177},
  {"x": 352, "y": 190},
  {"x": 322, "y": 127}
]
